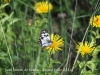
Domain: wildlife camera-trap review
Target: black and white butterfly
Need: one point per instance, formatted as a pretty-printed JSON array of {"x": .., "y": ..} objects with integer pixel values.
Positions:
[{"x": 44, "y": 39}]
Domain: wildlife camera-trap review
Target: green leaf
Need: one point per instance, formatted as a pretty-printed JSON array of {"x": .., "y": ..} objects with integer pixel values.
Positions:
[
  {"x": 88, "y": 73},
  {"x": 3, "y": 5},
  {"x": 96, "y": 51},
  {"x": 91, "y": 65},
  {"x": 81, "y": 64},
  {"x": 54, "y": 61},
  {"x": 13, "y": 21}
]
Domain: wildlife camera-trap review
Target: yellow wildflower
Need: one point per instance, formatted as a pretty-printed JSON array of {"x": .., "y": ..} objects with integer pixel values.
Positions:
[
  {"x": 95, "y": 21},
  {"x": 57, "y": 44},
  {"x": 85, "y": 48},
  {"x": 6, "y": 1},
  {"x": 43, "y": 7}
]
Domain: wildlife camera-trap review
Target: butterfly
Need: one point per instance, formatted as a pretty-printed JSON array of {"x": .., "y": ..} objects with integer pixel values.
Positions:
[{"x": 44, "y": 39}]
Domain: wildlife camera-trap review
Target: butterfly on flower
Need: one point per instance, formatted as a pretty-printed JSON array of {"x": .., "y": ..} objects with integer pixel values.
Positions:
[
  {"x": 44, "y": 39},
  {"x": 52, "y": 42}
]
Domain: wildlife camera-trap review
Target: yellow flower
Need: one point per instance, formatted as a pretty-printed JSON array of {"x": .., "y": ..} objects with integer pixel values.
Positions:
[
  {"x": 95, "y": 21},
  {"x": 43, "y": 7},
  {"x": 57, "y": 44},
  {"x": 6, "y": 1},
  {"x": 85, "y": 48}
]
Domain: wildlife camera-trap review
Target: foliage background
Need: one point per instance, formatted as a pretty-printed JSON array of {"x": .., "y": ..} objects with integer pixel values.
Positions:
[{"x": 20, "y": 29}]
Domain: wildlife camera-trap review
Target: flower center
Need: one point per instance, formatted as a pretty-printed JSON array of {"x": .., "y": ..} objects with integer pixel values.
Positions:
[
  {"x": 86, "y": 49},
  {"x": 97, "y": 21},
  {"x": 54, "y": 44},
  {"x": 43, "y": 8}
]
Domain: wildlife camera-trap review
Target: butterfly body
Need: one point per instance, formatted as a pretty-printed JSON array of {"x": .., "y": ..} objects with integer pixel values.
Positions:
[{"x": 44, "y": 39}]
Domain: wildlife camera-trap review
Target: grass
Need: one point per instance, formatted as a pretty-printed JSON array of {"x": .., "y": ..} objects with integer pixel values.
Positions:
[{"x": 20, "y": 27}]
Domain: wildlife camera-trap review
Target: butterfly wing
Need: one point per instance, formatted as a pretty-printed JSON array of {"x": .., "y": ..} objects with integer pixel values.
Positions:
[{"x": 44, "y": 39}]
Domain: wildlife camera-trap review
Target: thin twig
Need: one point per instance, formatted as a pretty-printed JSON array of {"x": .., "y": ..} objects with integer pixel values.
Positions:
[
  {"x": 85, "y": 35},
  {"x": 71, "y": 38},
  {"x": 78, "y": 53}
]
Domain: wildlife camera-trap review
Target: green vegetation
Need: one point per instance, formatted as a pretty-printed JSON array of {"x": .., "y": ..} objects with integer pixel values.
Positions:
[{"x": 74, "y": 21}]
